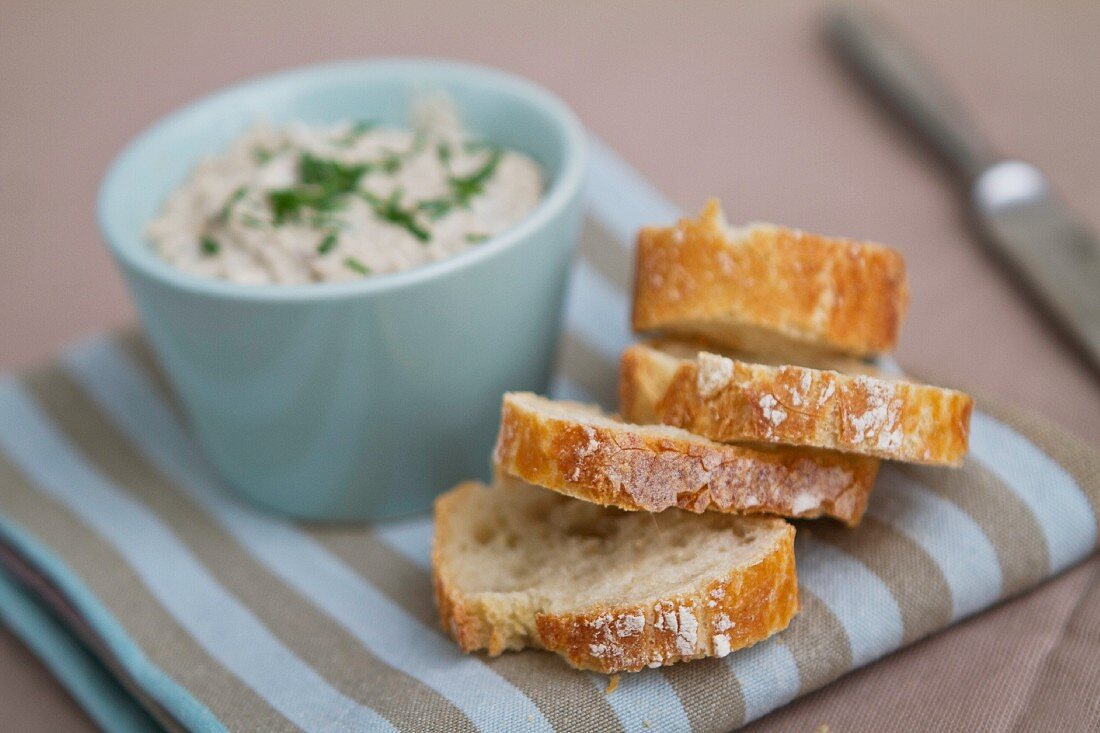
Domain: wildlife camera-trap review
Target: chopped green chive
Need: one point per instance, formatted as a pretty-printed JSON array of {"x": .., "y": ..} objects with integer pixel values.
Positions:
[
  {"x": 286, "y": 203},
  {"x": 390, "y": 210},
  {"x": 227, "y": 207},
  {"x": 333, "y": 176},
  {"x": 466, "y": 187},
  {"x": 262, "y": 155},
  {"x": 323, "y": 183},
  {"x": 435, "y": 209},
  {"x": 356, "y": 266},
  {"x": 443, "y": 152},
  {"x": 209, "y": 245},
  {"x": 391, "y": 162},
  {"x": 327, "y": 243}
]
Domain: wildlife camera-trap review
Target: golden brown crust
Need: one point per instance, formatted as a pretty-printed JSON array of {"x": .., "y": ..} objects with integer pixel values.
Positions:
[
  {"x": 726, "y": 399},
  {"x": 770, "y": 288},
  {"x": 747, "y": 605},
  {"x": 641, "y": 468}
]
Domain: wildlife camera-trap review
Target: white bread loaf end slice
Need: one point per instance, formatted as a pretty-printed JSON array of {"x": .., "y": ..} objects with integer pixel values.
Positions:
[{"x": 517, "y": 566}]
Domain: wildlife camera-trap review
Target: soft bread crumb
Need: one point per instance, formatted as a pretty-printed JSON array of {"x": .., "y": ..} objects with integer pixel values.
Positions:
[{"x": 518, "y": 566}]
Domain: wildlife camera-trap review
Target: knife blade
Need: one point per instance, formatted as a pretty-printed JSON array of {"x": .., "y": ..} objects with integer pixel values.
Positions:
[{"x": 1022, "y": 217}]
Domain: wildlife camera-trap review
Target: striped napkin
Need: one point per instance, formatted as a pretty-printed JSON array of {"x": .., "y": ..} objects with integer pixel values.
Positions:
[{"x": 163, "y": 603}]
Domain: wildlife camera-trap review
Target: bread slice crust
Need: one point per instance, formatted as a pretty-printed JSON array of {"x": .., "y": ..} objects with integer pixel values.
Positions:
[
  {"x": 765, "y": 287},
  {"x": 741, "y": 606},
  {"x": 576, "y": 450},
  {"x": 726, "y": 398}
]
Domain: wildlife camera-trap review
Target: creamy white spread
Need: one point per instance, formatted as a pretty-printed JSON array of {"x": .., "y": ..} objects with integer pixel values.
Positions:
[{"x": 306, "y": 203}]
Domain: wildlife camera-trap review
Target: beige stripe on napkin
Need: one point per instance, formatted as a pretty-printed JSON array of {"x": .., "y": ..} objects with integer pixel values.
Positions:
[
  {"x": 912, "y": 576},
  {"x": 818, "y": 642},
  {"x": 709, "y": 692}
]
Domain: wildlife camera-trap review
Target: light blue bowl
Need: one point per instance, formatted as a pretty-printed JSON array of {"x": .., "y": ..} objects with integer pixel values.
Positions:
[{"x": 365, "y": 399}]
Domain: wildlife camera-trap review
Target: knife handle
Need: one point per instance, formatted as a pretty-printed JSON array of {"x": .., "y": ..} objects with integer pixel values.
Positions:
[{"x": 915, "y": 92}]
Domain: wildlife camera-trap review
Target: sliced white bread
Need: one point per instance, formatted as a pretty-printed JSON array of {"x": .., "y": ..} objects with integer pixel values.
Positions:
[
  {"x": 843, "y": 405},
  {"x": 518, "y": 566},
  {"x": 764, "y": 287},
  {"x": 577, "y": 450}
]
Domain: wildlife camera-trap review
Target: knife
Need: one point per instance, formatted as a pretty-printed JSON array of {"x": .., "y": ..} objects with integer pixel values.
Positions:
[{"x": 1015, "y": 206}]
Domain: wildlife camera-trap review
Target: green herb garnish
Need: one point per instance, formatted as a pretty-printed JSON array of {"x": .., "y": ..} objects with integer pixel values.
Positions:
[
  {"x": 391, "y": 162},
  {"x": 209, "y": 245},
  {"x": 287, "y": 203},
  {"x": 356, "y": 266},
  {"x": 252, "y": 222},
  {"x": 435, "y": 209},
  {"x": 443, "y": 152},
  {"x": 327, "y": 243},
  {"x": 334, "y": 176},
  {"x": 466, "y": 187},
  {"x": 323, "y": 184},
  {"x": 389, "y": 209},
  {"x": 474, "y": 238},
  {"x": 227, "y": 207},
  {"x": 262, "y": 155}
]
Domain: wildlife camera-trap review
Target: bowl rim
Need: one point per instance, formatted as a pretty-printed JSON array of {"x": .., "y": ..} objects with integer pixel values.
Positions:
[{"x": 138, "y": 256}]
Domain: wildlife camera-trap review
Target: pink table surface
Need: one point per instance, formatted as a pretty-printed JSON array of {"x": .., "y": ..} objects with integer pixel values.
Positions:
[{"x": 734, "y": 99}]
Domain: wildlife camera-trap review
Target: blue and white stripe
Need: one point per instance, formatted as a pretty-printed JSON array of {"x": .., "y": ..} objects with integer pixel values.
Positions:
[
  {"x": 1059, "y": 505},
  {"x": 223, "y": 626},
  {"x": 768, "y": 675},
  {"x": 945, "y": 532}
]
